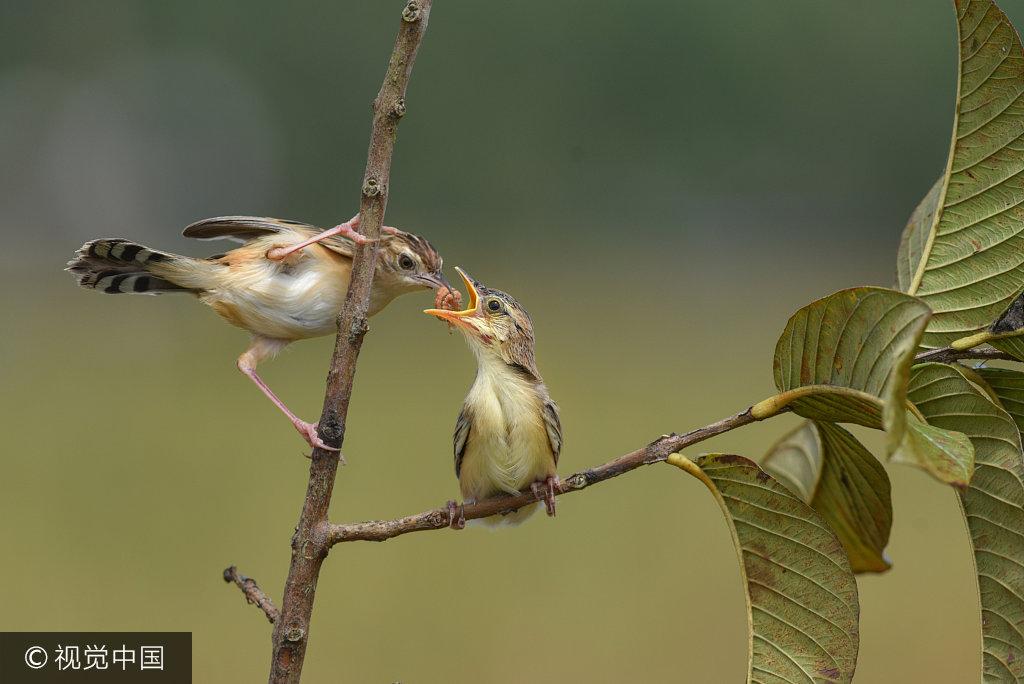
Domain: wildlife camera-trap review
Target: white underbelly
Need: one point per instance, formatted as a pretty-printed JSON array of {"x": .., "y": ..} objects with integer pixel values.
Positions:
[
  {"x": 301, "y": 303},
  {"x": 286, "y": 303}
]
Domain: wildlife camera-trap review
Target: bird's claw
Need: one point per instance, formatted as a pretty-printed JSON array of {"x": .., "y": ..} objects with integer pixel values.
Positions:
[
  {"x": 545, "y": 491},
  {"x": 348, "y": 230},
  {"x": 308, "y": 432},
  {"x": 354, "y": 222},
  {"x": 456, "y": 522}
]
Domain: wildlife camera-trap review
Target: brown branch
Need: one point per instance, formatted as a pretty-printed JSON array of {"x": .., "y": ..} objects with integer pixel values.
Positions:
[
  {"x": 656, "y": 451},
  {"x": 659, "y": 450},
  {"x": 310, "y": 541},
  {"x": 949, "y": 355},
  {"x": 253, "y": 593}
]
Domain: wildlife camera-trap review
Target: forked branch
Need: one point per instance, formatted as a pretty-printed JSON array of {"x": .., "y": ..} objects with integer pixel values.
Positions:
[{"x": 310, "y": 543}]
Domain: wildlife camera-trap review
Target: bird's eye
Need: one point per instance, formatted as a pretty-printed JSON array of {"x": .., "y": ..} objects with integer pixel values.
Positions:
[
  {"x": 493, "y": 305},
  {"x": 405, "y": 261}
]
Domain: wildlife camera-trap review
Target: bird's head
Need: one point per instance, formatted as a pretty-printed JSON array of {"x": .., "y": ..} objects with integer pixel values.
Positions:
[
  {"x": 408, "y": 262},
  {"x": 494, "y": 324}
]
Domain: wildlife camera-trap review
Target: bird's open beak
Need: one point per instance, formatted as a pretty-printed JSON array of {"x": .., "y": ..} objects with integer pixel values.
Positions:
[{"x": 459, "y": 317}]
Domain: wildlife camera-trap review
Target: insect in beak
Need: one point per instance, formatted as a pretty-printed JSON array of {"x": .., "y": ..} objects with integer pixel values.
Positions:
[{"x": 459, "y": 318}]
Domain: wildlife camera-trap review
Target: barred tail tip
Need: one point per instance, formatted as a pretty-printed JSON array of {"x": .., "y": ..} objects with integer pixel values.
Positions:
[{"x": 116, "y": 266}]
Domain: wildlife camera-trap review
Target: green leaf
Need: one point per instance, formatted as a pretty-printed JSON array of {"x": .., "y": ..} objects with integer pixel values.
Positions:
[
  {"x": 915, "y": 237},
  {"x": 1008, "y": 385},
  {"x": 846, "y": 359},
  {"x": 855, "y": 338},
  {"x": 802, "y": 599},
  {"x": 945, "y": 454},
  {"x": 829, "y": 469},
  {"x": 963, "y": 248},
  {"x": 1014, "y": 346},
  {"x": 993, "y": 504}
]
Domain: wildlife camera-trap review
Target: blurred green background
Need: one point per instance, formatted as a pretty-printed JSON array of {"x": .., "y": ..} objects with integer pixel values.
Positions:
[{"x": 660, "y": 183}]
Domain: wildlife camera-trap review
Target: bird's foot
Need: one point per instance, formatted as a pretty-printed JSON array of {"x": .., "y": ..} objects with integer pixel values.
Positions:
[
  {"x": 357, "y": 219},
  {"x": 545, "y": 491},
  {"x": 348, "y": 229},
  {"x": 456, "y": 521},
  {"x": 308, "y": 432}
]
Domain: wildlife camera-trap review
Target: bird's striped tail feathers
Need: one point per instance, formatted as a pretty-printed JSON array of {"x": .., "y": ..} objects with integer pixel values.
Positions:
[{"x": 116, "y": 266}]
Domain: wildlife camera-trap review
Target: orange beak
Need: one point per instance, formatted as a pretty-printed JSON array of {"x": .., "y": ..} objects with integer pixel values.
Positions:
[{"x": 459, "y": 317}]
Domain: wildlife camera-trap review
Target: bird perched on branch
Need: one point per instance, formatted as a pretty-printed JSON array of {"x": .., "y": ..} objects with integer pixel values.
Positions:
[
  {"x": 286, "y": 282},
  {"x": 508, "y": 435}
]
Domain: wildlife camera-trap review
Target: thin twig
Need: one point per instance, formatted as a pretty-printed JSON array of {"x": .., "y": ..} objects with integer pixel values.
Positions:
[
  {"x": 310, "y": 543},
  {"x": 949, "y": 355},
  {"x": 656, "y": 451},
  {"x": 253, "y": 593}
]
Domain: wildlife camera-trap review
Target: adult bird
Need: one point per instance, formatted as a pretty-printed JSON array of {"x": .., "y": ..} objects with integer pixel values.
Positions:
[
  {"x": 286, "y": 282},
  {"x": 508, "y": 435}
]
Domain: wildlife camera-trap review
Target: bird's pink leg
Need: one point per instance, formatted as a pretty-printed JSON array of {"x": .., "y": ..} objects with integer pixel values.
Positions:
[
  {"x": 259, "y": 350},
  {"x": 545, "y": 491},
  {"x": 348, "y": 229},
  {"x": 456, "y": 522}
]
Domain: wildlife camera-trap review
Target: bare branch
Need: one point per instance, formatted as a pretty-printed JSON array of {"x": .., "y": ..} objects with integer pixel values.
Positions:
[
  {"x": 253, "y": 593},
  {"x": 310, "y": 544},
  {"x": 949, "y": 355},
  {"x": 656, "y": 451}
]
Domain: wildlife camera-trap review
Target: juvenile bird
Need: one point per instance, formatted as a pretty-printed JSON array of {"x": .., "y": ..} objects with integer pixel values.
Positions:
[
  {"x": 286, "y": 282},
  {"x": 508, "y": 434}
]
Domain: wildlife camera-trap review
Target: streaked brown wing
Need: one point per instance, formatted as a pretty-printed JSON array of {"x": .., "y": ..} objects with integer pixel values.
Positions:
[
  {"x": 554, "y": 427},
  {"x": 244, "y": 228},
  {"x": 462, "y": 427}
]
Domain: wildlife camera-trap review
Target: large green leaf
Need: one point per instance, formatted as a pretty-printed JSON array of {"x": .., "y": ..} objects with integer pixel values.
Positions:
[
  {"x": 963, "y": 249},
  {"x": 993, "y": 504},
  {"x": 846, "y": 359},
  {"x": 855, "y": 338},
  {"x": 830, "y": 470},
  {"x": 802, "y": 600}
]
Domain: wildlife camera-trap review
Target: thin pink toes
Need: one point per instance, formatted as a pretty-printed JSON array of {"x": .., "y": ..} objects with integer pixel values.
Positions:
[
  {"x": 545, "y": 491},
  {"x": 308, "y": 432}
]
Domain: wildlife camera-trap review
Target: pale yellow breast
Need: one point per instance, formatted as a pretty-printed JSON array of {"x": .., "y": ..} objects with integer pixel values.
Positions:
[{"x": 508, "y": 447}]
